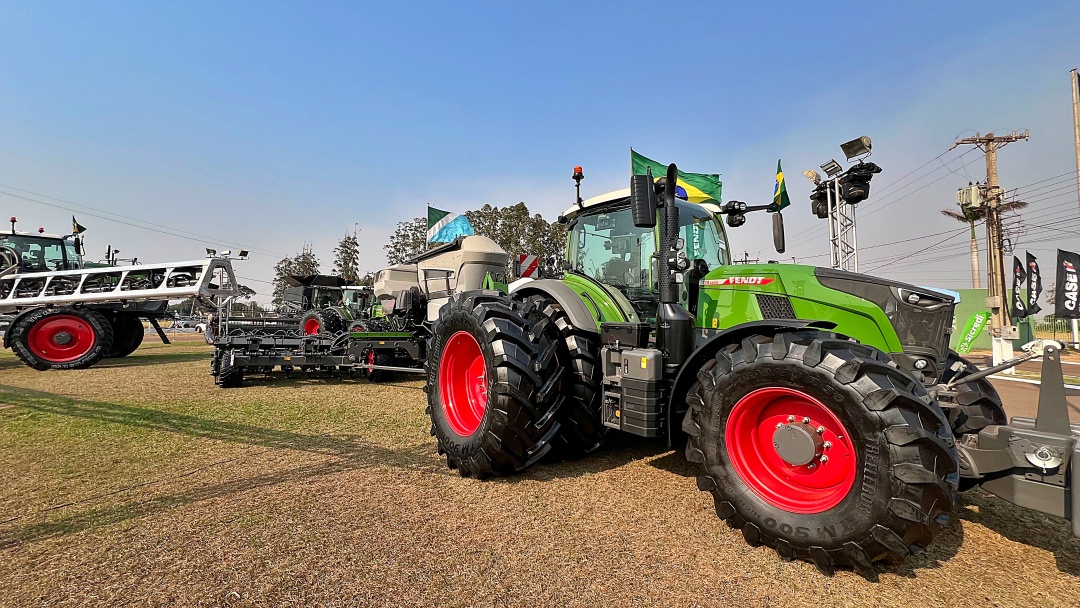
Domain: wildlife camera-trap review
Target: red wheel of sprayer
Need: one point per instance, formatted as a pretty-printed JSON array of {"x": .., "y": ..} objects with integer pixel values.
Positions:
[
  {"x": 463, "y": 383},
  {"x": 812, "y": 475},
  {"x": 61, "y": 338}
]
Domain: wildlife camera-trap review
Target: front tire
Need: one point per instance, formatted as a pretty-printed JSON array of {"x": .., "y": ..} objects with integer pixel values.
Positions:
[
  {"x": 822, "y": 449},
  {"x": 491, "y": 386},
  {"x": 61, "y": 338},
  {"x": 229, "y": 375},
  {"x": 976, "y": 405}
]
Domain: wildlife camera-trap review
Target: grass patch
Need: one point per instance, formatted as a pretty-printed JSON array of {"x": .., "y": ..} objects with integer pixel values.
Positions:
[{"x": 141, "y": 482}]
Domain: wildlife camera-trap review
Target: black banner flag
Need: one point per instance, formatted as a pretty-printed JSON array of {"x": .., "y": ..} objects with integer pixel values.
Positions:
[
  {"x": 1019, "y": 309},
  {"x": 1068, "y": 284},
  {"x": 1034, "y": 284}
]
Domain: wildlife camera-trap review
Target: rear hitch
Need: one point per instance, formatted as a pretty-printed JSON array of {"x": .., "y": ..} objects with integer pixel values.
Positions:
[{"x": 1033, "y": 463}]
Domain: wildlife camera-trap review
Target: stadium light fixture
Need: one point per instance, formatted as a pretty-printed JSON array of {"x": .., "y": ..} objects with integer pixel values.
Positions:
[
  {"x": 832, "y": 168},
  {"x": 857, "y": 148}
]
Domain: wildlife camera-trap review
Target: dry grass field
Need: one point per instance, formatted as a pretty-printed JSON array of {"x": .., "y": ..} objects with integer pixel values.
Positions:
[{"x": 139, "y": 482}]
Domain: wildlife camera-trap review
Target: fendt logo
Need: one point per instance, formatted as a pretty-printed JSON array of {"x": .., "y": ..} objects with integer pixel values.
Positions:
[{"x": 739, "y": 281}]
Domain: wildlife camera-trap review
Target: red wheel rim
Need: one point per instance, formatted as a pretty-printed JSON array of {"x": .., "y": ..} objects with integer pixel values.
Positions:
[
  {"x": 753, "y": 427},
  {"x": 311, "y": 326},
  {"x": 61, "y": 338},
  {"x": 463, "y": 386}
]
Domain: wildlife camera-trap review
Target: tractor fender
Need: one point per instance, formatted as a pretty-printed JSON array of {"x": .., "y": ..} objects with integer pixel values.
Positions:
[
  {"x": 565, "y": 295},
  {"x": 708, "y": 349}
]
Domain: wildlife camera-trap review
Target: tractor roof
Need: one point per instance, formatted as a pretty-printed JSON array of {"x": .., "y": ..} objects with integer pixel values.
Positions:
[
  {"x": 617, "y": 196},
  {"x": 317, "y": 280},
  {"x": 45, "y": 235}
]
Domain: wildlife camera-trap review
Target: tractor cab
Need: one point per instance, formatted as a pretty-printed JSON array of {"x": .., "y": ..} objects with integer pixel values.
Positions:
[
  {"x": 605, "y": 247},
  {"x": 39, "y": 252}
]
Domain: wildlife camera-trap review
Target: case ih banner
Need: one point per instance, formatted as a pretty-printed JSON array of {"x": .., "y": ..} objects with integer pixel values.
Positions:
[
  {"x": 1067, "y": 285},
  {"x": 1019, "y": 307},
  {"x": 1034, "y": 285}
]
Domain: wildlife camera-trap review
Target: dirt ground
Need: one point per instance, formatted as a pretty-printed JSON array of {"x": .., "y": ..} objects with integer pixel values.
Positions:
[{"x": 139, "y": 482}]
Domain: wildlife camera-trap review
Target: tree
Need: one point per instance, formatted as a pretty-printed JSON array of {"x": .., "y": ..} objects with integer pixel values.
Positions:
[
  {"x": 971, "y": 216},
  {"x": 368, "y": 280},
  {"x": 285, "y": 267},
  {"x": 408, "y": 241},
  {"x": 347, "y": 258},
  {"x": 302, "y": 264},
  {"x": 518, "y": 232},
  {"x": 512, "y": 227},
  {"x": 306, "y": 262}
]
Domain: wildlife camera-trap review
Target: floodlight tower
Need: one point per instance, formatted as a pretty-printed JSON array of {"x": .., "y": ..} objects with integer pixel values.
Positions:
[{"x": 836, "y": 197}]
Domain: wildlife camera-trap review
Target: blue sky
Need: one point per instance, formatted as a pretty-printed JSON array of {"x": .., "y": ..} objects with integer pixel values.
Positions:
[{"x": 274, "y": 124}]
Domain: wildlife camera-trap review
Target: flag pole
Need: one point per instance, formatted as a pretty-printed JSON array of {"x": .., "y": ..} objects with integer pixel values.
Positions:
[{"x": 1076, "y": 135}]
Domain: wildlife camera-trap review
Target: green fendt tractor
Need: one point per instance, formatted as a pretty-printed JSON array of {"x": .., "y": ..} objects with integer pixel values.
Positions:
[{"x": 811, "y": 398}]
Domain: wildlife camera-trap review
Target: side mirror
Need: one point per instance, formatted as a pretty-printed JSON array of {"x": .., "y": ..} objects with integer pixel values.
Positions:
[
  {"x": 643, "y": 200},
  {"x": 778, "y": 232},
  {"x": 78, "y": 245}
]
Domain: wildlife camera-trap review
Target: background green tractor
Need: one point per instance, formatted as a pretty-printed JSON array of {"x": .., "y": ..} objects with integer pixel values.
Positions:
[
  {"x": 326, "y": 304},
  {"x": 811, "y": 399}
]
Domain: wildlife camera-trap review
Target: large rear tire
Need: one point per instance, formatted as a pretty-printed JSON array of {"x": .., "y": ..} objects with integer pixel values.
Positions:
[
  {"x": 492, "y": 386},
  {"x": 822, "y": 449},
  {"x": 325, "y": 321},
  {"x": 578, "y": 353},
  {"x": 61, "y": 338},
  {"x": 128, "y": 332}
]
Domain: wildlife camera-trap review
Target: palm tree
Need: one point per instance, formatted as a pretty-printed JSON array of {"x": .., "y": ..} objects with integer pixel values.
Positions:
[{"x": 971, "y": 216}]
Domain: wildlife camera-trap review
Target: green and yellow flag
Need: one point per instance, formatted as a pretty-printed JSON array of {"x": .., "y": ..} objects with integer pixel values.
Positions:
[
  {"x": 780, "y": 197},
  {"x": 693, "y": 187},
  {"x": 76, "y": 227}
]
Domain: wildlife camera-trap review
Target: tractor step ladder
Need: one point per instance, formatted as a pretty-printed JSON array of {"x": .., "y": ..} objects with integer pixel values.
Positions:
[{"x": 167, "y": 281}]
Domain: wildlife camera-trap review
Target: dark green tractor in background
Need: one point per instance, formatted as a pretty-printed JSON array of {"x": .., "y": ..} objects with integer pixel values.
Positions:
[{"x": 813, "y": 400}]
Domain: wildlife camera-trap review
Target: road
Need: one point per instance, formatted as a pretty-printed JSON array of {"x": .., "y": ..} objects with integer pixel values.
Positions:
[{"x": 1022, "y": 399}]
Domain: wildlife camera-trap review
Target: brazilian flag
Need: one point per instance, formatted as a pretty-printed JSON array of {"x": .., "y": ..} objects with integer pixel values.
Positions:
[
  {"x": 780, "y": 198},
  {"x": 693, "y": 187},
  {"x": 76, "y": 227}
]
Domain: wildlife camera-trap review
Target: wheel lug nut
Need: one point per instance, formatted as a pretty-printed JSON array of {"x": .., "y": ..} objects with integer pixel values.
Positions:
[
  {"x": 805, "y": 420},
  {"x": 811, "y": 466},
  {"x": 820, "y": 430},
  {"x": 791, "y": 418},
  {"x": 827, "y": 445},
  {"x": 779, "y": 424},
  {"x": 824, "y": 459}
]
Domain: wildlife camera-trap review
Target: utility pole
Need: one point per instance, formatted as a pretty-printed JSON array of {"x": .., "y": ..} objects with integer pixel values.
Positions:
[
  {"x": 1076, "y": 134},
  {"x": 1001, "y": 331}
]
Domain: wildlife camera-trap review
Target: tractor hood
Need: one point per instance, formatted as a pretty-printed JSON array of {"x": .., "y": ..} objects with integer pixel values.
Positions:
[
  {"x": 913, "y": 324},
  {"x": 922, "y": 317}
]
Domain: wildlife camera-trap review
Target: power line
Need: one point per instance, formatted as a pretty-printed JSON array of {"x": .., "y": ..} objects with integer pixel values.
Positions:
[
  {"x": 178, "y": 233},
  {"x": 879, "y": 202},
  {"x": 902, "y": 256}
]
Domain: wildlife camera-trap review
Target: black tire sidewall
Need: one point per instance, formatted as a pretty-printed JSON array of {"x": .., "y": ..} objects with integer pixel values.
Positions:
[
  {"x": 127, "y": 335},
  {"x": 858, "y": 511}
]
